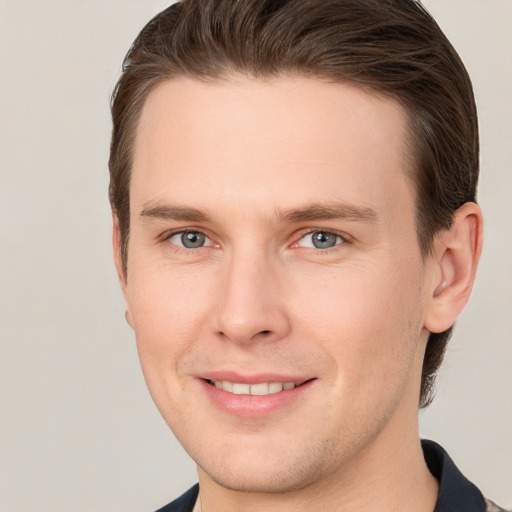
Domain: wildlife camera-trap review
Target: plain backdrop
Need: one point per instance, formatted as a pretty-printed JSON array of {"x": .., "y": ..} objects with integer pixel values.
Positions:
[{"x": 78, "y": 429}]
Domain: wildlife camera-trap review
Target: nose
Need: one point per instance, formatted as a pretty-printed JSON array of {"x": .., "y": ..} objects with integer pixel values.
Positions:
[{"x": 252, "y": 304}]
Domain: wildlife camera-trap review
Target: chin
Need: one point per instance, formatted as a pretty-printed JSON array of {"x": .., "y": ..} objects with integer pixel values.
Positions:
[
  {"x": 275, "y": 471},
  {"x": 270, "y": 482}
]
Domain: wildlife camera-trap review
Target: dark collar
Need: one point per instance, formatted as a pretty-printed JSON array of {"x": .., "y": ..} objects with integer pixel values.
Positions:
[
  {"x": 456, "y": 492},
  {"x": 185, "y": 503}
]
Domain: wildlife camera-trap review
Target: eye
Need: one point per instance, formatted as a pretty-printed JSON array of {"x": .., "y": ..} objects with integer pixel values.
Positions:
[
  {"x": 190, "y": 239},
  {"x": 320, "y": 240}
]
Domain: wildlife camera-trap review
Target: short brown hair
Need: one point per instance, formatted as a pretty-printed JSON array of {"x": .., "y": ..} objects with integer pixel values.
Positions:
[{"x": 391, "y": 46}]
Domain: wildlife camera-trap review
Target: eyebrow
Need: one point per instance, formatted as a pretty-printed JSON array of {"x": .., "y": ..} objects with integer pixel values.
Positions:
[
  {"x": 313, "y": 212},
  {"x": 170, "y": 212},
  {"x": 328, "y": 211}
]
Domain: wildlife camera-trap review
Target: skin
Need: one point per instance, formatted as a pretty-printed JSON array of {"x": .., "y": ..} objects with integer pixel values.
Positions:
[{"x": 263, "y": 164}]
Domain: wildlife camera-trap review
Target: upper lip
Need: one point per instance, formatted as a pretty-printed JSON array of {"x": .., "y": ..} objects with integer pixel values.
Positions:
[{"x": 247, "y": 378}]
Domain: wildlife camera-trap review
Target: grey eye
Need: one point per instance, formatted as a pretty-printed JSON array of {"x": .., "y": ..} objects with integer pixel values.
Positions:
[
  {"x": 192, "y": 239},
  {"x": 321, "y": 240}
]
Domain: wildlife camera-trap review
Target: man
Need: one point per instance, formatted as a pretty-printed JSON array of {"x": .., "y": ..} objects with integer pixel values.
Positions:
[{"x": 295, "y": 231}]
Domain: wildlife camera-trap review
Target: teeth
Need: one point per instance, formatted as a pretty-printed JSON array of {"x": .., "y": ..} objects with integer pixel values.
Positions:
[
  {"x": 241, "y": 389},
  {"x": 227, "y": 386},
  {"x": 261, "y": 389},
  {"x": 275, "y": 387}
]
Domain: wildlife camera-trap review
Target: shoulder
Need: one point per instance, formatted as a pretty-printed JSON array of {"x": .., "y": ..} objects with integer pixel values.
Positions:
[{"x": 185, "y": 503}]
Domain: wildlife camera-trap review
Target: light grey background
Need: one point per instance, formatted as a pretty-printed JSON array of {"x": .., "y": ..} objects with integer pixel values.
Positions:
[{"x": 78, "y": 429}]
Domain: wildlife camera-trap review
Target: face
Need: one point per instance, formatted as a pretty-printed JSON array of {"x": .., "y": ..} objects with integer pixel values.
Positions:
[{"x": 275, "y": 282}]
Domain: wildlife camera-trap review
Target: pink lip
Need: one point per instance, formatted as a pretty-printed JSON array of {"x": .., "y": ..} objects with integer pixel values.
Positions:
[{"x": 253, "y": 406}]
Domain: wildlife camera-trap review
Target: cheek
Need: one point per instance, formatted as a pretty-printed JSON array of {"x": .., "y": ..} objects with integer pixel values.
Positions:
[
  {"x": 368, "y": 320},
  {"x": 169, "y": 311}
]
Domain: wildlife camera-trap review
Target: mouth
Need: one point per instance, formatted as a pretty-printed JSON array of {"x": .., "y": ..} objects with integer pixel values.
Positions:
[
  {"x": 255, "y": 396},
  {"x": 259, "y": 389}
]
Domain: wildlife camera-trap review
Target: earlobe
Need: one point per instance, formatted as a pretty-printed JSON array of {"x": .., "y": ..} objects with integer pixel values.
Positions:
[
  {"x": 456, "y": 254},
  {"x": 128, "y": 316}
]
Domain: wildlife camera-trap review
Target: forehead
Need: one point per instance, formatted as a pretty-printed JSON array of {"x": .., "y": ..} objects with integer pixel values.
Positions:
[{"x": 242, "y": 140}]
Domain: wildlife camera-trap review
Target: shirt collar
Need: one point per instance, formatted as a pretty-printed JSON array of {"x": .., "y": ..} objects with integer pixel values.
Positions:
[{"x": 456, "y": 492}]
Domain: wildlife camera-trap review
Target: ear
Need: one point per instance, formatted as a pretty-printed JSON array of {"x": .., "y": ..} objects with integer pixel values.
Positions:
[
  {"x": 455, "y": 260},
  {"x": 120, "y": 267}
]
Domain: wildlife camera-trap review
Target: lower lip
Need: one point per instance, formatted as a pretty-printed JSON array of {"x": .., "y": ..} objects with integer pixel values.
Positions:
[{"x": 254, "y": 405}]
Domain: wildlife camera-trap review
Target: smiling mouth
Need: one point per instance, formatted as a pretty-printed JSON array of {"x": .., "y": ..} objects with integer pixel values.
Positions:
[{"x": 260, "y": 389}]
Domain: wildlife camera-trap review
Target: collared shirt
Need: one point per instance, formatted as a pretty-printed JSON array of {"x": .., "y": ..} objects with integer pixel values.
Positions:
[{"x": 456, "y": 492}]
